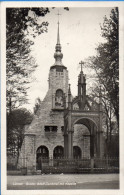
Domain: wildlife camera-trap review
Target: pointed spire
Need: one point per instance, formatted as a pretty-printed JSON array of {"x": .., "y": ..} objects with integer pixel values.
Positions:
[
  {"x": 58, "y": 55},
  {"x": 69, "y": 97},
  {"x": 81, "y": 77},
  {"x": 69, "y": 89},
  {"x": 58, "y": 37},
  {"x": 58, "y": 46}
]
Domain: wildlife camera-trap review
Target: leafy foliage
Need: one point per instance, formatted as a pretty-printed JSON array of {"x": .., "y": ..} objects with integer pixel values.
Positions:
[
  {"x": 16, "y": 121},
  {"x": 22, "y": 26},
  {"x": 21, "y": 22}
]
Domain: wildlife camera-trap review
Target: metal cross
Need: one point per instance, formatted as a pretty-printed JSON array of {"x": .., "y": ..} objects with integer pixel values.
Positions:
[
  {"x": 81, "y": 63},
  {"x": 58, "y": 16}
]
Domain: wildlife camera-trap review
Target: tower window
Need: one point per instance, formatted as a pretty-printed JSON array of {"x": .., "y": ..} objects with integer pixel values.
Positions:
[{"x": 59, "y": 98}]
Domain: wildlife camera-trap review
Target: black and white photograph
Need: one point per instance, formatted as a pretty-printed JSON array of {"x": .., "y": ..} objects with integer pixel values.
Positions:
[{"x": 62, "y": 78}]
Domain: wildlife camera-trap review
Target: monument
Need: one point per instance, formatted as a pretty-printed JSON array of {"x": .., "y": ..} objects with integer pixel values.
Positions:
[{"x": 63, "y": 127}]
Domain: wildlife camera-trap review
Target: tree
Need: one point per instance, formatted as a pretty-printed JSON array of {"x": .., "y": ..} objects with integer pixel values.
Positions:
[
  {"x": 21, "y": 22},
  {"x": 37, "y": 105},
  {"x": 106, "y": 62},
  {"x": 16, "y": 121},
  {"x": 107, "y": 108}
]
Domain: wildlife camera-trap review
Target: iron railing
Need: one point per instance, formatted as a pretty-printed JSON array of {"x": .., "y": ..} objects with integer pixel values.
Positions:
[{"x": 64, "y": 165}]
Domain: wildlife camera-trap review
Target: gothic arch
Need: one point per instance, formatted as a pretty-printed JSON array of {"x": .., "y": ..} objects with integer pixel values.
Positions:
[
  {"x": 92, "y": 127},
  {"x": 75, "y": 100},
  {"x": 84, "y": 120}
]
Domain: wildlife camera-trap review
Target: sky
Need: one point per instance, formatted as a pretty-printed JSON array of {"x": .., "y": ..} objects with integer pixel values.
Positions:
[{"x": 80, "y": 34}]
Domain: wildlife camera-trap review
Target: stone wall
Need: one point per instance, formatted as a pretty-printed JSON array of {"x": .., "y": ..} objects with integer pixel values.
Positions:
[
  {"x": 35, "y": 134},
  {"x": 48, "y": 115}
]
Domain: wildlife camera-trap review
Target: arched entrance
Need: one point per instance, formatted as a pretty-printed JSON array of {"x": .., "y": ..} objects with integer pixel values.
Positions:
[
  {"x": 92, "y": 127},
  {"x": 83, "y": 110},
  {"x": 41, "y": 153},
  {"x": 58, "y": 152},
  {"x": 76, "y": 152},
  {"x": 81, "y": 137}
]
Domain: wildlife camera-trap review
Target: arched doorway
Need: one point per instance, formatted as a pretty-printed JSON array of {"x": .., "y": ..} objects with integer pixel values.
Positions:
[
  {"x": 92, "y": 127},
  {"x": 41, "y": 153},
  {"x": 76, "y": 152},
  {"x": 58, "y": 152}
]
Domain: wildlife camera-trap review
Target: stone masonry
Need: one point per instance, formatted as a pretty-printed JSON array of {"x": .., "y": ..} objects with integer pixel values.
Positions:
[{"x": 50, "y": 115}]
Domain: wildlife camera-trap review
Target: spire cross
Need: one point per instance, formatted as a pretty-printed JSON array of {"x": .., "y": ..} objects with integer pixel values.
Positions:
[
  {"x": 81, "y": 63},
  {"x": 58, "y": 16}
]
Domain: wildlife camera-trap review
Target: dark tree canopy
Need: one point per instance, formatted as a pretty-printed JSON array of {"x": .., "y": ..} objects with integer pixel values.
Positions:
[
  {"x": 16, "y": 121},
  {"x": 20, "y": 23}
]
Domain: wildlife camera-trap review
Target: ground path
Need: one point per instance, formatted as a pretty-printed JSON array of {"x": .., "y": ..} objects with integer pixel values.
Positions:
[{"x": 64, "y": 181}]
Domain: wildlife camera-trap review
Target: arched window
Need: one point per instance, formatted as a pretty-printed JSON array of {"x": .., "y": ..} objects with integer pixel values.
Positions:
[
  {"x": 59, "y": 98},
  {"x": 41, "y": 153},
  {"x": 58, "y": 152}
]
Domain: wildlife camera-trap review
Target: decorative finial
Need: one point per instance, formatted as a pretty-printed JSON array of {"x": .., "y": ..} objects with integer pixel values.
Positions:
[
  {"x": 81, "y": 63},
  {"x": 69, "y": 90}
]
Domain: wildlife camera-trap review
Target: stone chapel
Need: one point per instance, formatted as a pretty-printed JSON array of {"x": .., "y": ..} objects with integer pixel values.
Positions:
[{"x": 63, "y": 126}]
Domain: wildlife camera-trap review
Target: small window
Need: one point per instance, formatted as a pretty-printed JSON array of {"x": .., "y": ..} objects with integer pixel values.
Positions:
[
  {"x": 62, "y": 128},
  {"x": 50, "y": 128}
]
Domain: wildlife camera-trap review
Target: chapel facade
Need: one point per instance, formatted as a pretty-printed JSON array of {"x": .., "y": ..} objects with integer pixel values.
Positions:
[{"x": 63, "y": 126}]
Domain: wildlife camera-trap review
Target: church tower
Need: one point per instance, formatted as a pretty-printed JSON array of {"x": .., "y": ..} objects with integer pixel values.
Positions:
[
  {"x": 63, "y": 126},
  {"x": 44, "y": 136},
  {"x": 58, "y": 78}
]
